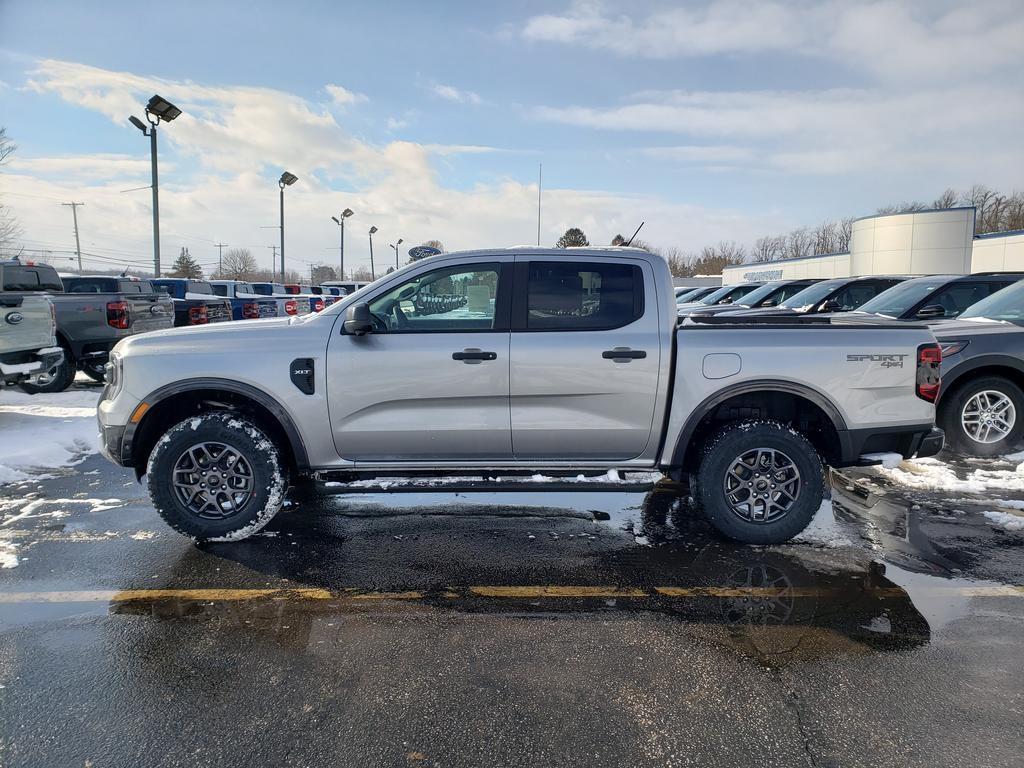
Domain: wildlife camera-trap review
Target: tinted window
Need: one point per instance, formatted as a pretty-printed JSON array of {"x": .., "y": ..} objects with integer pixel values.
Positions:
[
  {"x": 444, "y": 300},
  {"x": 19, "y": 278},
  {"x": 959, "y": 296},
  {"x": 582, "y": 296},
  {"x": 135, "y": 286},
  {"x": 263, "y": 289},
  {"x": 1006, "y": 305},
  {"x": 776, "y": 292},
  {"x": 220, "y": 290},
  {"x": 199, "y": 286},
  {"x": 853, "y": 295},
  {"x": 86, "y": 286},
  {"x": 810, "y": 296},
  {"x": 898, "y": 299}
]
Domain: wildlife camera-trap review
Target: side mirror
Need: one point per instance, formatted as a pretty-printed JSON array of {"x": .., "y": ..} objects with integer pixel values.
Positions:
[
  {"x": 831, "y": 306},
  {"x": 931, "y": 311},
  {"x": 769, "y": 302},
  {"x": 358, "y": 320}
]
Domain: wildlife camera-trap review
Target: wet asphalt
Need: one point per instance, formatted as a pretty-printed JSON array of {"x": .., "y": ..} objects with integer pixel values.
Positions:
[{"x": 525, "y": 629}]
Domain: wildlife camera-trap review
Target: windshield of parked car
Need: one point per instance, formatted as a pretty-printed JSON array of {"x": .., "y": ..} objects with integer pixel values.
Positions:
[
  {"x": 898, "y": 299},
  {"x": 691, "y": 294},
  {"x": 19, "y": 278},
  {"x": 726, "y": 294},
  {"x": 269, "y": 289},
  {"x": 1005, "y": 306},
  {"x": 809, "y": 297}
]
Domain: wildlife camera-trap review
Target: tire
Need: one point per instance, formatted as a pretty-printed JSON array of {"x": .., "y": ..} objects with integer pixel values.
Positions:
[
  {"x": 95, "y": 371},
  {"x": 237, "y": 454},
  {"x": 727, "y": 504},
  {"x": 966, "y": 399},
  {"x": 63, "y": 375}
]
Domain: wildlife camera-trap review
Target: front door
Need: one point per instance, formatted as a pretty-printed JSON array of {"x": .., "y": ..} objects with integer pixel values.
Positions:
[
  {"x": 585, "y": 355},
  {"x": 430, "y": 383}
]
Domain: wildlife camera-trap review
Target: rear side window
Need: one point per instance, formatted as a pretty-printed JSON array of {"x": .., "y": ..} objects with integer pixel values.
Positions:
[
  {"x": 959, "y": 296},
  {"x": 855, "y": 294},
  {"x": 86, "y": 286},
  {"x": 135, "y": 286},
  {"x": 220, "y": 290},
  {"x": 195, "y": 286},
  {"x": 582, "y": 296}
]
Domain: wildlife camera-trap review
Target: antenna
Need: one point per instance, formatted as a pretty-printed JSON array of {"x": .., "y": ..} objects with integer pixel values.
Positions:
[{"x": 635, "y": 233}]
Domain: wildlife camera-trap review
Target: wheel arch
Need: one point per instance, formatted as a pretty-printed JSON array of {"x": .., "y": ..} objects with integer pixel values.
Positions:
[
  {"x": 983, "y": 365},
  {"x": 175, "y": 402},
  {"x": 821, "y": 421}
]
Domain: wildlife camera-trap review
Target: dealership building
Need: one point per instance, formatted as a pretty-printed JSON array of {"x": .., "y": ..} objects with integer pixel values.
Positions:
[{"x": 919, "y": 243}]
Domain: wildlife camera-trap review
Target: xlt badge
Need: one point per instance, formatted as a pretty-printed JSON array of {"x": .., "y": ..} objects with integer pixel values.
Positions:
[{"x": 302, "y": 375}]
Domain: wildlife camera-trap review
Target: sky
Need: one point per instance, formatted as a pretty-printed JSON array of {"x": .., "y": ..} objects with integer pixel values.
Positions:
[{"x": 708, "y": 120}]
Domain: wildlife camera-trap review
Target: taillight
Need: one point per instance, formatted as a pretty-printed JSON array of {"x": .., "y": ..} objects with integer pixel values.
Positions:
[
  {"x": 929, "y": 361},
  {"x": 197, "y": 316},
  {"x": 290, "y": 307},
  {"x": 318, "y": 306},
  {"x": 250, "y": 311},
  {"x": 117, "y": 314}
]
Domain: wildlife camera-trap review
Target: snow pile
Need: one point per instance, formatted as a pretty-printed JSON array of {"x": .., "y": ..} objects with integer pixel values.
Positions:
[
  {"x": 887, "y": 460},
  {"x": 1007, "y": 520},
  {"x": 612, "y": 476},
  {"x": 45, "y": 431},
  {"x": 823, "y": 530},
  {"x": 933, "y": 475},
  {"x": 8, "y": 554}
]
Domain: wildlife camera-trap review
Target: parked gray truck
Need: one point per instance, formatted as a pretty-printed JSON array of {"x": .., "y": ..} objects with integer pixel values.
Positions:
[
  {"x": 566, "y": 361},
  {"x": 28, "y": 344},
  {"x": 93, "y": 313}
]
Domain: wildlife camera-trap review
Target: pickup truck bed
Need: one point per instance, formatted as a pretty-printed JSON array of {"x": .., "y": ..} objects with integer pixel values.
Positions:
[{"x": 553, "y": 361}]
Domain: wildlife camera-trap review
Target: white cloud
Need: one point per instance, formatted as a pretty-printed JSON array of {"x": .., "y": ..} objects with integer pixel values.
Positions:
[
  {"x": 220, "y": 159},
  {"x": 891, "y": 39},
  {"x": 343, "y": 96},
  {"x": 451, "y": 93}
]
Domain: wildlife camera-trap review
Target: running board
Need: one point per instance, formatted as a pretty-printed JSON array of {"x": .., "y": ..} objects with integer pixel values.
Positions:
[{"x": 341, "y": 484}]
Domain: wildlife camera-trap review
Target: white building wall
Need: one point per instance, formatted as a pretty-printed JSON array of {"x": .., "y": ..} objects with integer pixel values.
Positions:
[{"x": 999, "y": 253}]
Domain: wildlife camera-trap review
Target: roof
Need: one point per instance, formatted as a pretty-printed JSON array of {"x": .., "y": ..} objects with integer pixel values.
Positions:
[
  {"x": 769, "y": 264},
  {"x": 911, "y": 213}
]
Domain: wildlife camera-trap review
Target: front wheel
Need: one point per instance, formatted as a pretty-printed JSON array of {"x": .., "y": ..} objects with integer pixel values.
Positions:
[
  {"x": 760, "y": 482},
  {"x": 984, "y": 417},
  {"x": 97, "y": 371},
  {"x": 216, "y": 477}
]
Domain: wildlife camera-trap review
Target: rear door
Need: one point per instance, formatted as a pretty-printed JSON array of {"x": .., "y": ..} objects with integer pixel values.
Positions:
[
  {"x": 430, "y": 383},
  {"x": 585, "y": 356}
]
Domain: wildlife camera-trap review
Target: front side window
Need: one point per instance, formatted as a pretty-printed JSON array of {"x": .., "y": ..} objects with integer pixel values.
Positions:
[
  {"x": 581, "y": 296},
  {"x": 451, "y": 299}
]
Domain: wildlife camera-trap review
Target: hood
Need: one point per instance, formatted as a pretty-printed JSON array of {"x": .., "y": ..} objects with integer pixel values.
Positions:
[
  {"x": 717, "y": 309},
  {"x": 766, "y": 312},
  {"x": 961, "y": 329},
  {"x": 201, "y": 338}
]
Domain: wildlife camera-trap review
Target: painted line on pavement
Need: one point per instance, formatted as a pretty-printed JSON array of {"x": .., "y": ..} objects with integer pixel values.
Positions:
[{"x": 490, "y": 591}]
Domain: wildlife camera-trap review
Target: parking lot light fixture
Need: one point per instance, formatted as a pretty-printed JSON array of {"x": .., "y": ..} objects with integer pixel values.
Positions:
[
  {"x": 340, "y": 221},
  {"x": 286, "y": 180},
  {"x": 158, "y": 109},
  {"x": 395, "y": 247},
  {"x": 373, "y": 274}
]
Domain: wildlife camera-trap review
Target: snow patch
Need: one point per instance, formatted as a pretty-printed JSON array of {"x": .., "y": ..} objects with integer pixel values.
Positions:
[
  {"x": 45, "y": 431},
  {"x": 8, "y": 554},
  {"x": 1005, "y": 520},
  {"x": 934, "y": 475},
  {"x": 823, "y": 530},
  {"x": 887, "y": 460}
]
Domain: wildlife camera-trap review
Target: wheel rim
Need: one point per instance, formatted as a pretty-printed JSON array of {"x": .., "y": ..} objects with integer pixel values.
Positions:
[
  {"x": 988, "y": 416},
  {"x": 764, "y": 596},
  {"x": 762, "y": 485},
  {"x": 213, "y": 480}
]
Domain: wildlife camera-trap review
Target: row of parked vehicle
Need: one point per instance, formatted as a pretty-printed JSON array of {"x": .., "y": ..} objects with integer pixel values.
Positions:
[
  {"x": 54, "y": 325},
  {"x": 976, "y": 318}
]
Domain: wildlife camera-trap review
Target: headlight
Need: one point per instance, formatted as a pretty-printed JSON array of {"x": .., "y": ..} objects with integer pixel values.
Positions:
[
  {"x": 950, "y": 348},
  {"x": 113, "y": 375}
]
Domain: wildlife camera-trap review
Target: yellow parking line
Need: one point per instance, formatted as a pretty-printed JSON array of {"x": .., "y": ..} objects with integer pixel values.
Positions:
[{"x": 526, "y": 592}]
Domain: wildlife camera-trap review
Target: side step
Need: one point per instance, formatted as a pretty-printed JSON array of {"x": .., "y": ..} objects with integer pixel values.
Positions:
[{"x": 339, "y": 483}]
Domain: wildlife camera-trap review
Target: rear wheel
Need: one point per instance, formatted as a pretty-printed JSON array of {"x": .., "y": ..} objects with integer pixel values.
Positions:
[
  {"x": 760, "y": 482},
  {"x": 95, "y": 370},
  {"x": 984, "y": 417},
  {"x": 216, "y": 477}
]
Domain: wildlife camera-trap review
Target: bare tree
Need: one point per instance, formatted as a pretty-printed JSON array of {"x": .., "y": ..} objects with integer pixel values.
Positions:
[
  {"x": 239, "y": 264},
  {"x": 435, "y": 244},
  {"x": 322, "y": 273},
  {"x": 679, "y": 264},
  {"x": 768, "y": 249},
  {"x": 361, "y": 275},
  {"x": 798, "y": 243},
  {"x": 9, "y": 229},
  {"x": 947, "y": 199},
  {"x": 844, "y": 233}
]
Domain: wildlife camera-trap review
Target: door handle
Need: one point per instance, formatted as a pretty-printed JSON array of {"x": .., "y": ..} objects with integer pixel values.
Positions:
[
  {"x": 473, "y": 355},
  {"x": 623, "y": 354}
]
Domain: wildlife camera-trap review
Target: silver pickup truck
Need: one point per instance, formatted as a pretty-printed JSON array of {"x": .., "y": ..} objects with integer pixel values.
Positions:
[
  {"x": 557, "y": 361},
  {"x": 28, "y": 343}
]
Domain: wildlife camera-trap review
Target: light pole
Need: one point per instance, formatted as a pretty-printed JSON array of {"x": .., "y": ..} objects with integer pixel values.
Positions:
[
  {"x": 373, "y": 275},
  {"x": 157, "y": 109},
  {"x": 340, "y": 221},
  {"x": 286, "y": 180},
  {"x": 395, "y": 247}
]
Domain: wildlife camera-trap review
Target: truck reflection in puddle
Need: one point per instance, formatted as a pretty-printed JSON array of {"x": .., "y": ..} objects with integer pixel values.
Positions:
[{"x": 777, "y": 606}]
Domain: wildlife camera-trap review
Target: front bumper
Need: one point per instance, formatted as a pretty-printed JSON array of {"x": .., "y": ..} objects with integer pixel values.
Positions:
[
  {"x": 913, "y": 441},
  {"x": 112, "y": 445}
]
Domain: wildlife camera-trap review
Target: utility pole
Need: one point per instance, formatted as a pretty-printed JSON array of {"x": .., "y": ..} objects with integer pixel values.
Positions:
[
  {"x": 220, "y": 253},
  {"x": 540, "y": 186},
  {"x": 273, "y": 264},
  {"x": 78, "y": 245}
]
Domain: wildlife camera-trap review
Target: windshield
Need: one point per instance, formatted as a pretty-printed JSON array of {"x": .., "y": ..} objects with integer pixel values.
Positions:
[
  {"x": 727, "y": 294},
  {"x": 1006, "y": 305},
  {"x": 898, "y": 299},
  {"x": 810, "y": 296},
  {"x": 692, "y": 294}
]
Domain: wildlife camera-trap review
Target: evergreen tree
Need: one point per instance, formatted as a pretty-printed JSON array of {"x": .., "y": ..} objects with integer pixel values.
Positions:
[
  {"x": 573, "y": 238},
  {"x": 186, "y": 266}
]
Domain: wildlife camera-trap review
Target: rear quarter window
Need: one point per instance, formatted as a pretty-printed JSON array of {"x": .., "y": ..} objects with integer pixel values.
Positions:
[{"x": 25, "y": 278}]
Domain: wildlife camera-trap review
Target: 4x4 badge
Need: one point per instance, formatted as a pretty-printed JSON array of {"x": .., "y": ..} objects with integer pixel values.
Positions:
[{"x": 887, "y": 361}]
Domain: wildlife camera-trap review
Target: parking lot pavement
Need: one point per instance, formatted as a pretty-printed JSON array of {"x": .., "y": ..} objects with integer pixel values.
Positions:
[{"x": 432, "y": 629}]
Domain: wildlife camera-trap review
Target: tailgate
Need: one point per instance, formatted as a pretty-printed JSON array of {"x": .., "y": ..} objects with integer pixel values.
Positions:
[
  {"x": 150, "y": 311},
  {"x": 218, "y": 311},
  {"x": 25, "y": 323}
]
